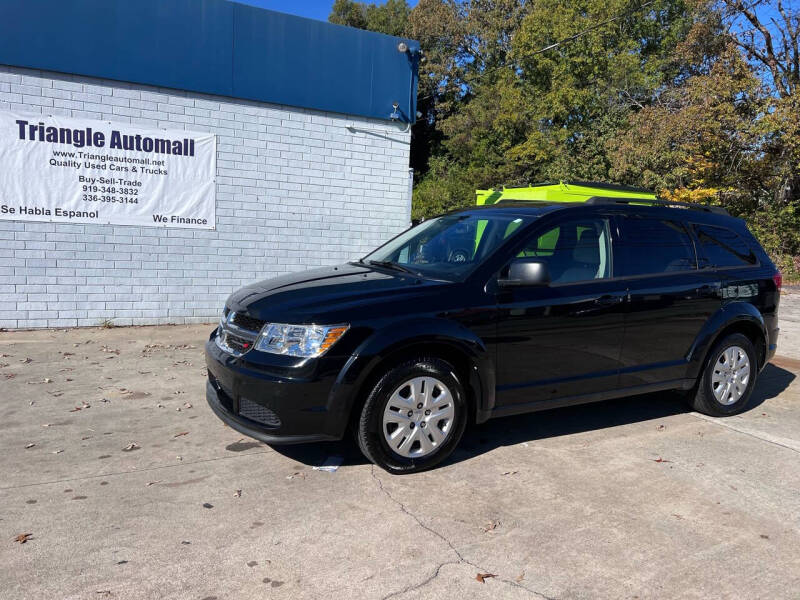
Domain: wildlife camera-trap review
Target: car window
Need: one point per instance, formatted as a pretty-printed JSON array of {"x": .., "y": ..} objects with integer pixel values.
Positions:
[
  {"x": 451, "y": 246},
  {"x": 574, "y": 251},
  {"x": 651, "y": 246},
  {"x": 722, "y": 247}
]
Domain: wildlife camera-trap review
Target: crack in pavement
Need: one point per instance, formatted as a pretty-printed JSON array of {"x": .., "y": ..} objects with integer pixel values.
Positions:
[
  {"x": 423, "y": 583},
  {"x": 461, "y": 559}
]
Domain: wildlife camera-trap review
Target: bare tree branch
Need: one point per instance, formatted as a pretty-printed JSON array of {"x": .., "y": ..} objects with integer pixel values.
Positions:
[{"x": 768, "y": 56}]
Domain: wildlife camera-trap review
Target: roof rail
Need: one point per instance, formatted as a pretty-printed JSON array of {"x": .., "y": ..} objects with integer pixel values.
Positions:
[{"x": 649, "y": 201}]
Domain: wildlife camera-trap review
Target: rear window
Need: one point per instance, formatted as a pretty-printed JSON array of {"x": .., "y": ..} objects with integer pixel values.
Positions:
[
  {"x": 721, "y": 247},
  {"x": 652, "y": 246}
]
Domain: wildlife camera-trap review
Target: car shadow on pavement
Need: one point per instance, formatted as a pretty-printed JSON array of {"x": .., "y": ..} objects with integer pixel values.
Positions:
[{"x": 509, "y": 431}]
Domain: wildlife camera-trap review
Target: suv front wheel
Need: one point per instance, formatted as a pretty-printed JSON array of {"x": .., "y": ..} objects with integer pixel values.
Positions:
[
  {"x": 728, "y": 379},
  {"x": 414, "y": 416}
]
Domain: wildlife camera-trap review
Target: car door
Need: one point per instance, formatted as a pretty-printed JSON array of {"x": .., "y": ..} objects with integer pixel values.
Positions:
[
  {"x": 563, "y": 339},
  {"x": 670, "y": 299}
]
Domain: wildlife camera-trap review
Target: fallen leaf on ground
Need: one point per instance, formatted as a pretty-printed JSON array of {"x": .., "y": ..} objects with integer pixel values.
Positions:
[
  {"x": 661, "y": 428},
  {"x": 677, "y": 516},
  {"x": 76, "y": 409},
  {"x": 482, "y": 577},
  {"x": 57, "y": 451},
  {"x": 660, "y": 460},
  {"x": 207, "y": 505},
  {"x": 23, "y": 537},
  {"x": 187, "y": 405},
  {"x": 30, "y": 445},
  {"x": 764, "y": 536},
  {"x": 10, "y": 375},
  {"x": 131, "y": 446},
  {"x": 149, "y": 483},
  {"x": 296, "y": 474},
  {"x": 520, "y": 577},
  {"x": 26, "y": 360},
  {"x": 181, "y": 433},
  {"x": 490, "y": 526},
  {"x": 237, "y": 494}
]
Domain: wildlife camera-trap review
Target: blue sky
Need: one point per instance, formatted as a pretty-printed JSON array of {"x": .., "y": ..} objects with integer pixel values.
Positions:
[{"x": 313, "y": 9}]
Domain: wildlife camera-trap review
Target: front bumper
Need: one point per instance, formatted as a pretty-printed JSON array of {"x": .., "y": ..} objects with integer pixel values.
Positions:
[
  {"x": 273, "y": 408},
  {"x": 253, "y": 429}
]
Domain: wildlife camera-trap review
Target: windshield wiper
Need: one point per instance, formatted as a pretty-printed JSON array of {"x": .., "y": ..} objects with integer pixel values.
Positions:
[{"x": 387, "y": 264}]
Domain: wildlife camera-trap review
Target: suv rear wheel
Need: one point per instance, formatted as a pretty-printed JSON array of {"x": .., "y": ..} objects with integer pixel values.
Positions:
[
  {"x": 728, "y": 379},
  {"x": 414, "y": 416}
]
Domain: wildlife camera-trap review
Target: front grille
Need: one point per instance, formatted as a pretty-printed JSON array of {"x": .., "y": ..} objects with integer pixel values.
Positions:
[
  {"x": 257, "y": 412},
  {"x": 237, "y": 343},
  {"x": 247, "y": 322}
]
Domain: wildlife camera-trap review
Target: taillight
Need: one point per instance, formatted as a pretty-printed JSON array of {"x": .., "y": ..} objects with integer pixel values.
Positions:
[{"x": 778, "y": 279}]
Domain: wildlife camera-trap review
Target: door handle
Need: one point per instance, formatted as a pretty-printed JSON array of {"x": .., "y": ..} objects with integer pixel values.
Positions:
[{"x": 609, "y": 300}]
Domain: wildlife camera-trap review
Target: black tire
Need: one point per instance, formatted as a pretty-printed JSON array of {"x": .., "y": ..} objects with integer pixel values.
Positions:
[
  {"x": 703, "y": 399},
  {"x": 370, "y": 435}
]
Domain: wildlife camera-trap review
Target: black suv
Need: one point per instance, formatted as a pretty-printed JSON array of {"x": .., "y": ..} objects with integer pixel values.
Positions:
[{"x": 497, "y": 311}]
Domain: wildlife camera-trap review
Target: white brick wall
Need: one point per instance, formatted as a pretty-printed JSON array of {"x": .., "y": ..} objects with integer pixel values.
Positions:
[{"x": 296, "y": 189}]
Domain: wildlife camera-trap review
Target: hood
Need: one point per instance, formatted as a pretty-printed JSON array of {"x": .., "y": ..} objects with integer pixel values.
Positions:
[{"x": 329, "y": 294}]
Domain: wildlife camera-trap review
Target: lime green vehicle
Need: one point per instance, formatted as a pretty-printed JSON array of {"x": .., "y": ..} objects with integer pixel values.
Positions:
[{"x": 578, "y": 191}]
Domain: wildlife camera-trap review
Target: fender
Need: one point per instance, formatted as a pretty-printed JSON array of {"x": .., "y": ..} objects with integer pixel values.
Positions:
[
  {"x": 404, "y": 334},
  {"x": 729, "y": 314}
]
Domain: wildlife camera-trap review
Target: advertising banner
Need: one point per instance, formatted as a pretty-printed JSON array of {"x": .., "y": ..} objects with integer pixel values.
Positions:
[{"x": 67, "y": 170}]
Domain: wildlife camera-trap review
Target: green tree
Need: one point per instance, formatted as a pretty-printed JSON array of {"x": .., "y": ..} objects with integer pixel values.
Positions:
[
  {"x": 389, "y": 18},
  {"x": 531, "y": 91}
]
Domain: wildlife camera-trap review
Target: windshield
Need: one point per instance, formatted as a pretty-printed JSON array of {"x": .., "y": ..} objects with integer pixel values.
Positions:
[{"x": 448, "y": 247}]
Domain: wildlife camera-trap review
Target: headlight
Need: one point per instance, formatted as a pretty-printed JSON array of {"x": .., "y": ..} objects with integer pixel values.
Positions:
[{"x": 299, "y": 340}]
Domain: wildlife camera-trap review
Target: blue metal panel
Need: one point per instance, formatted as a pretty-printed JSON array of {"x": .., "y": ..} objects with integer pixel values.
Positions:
[
  {"x": 185, "y": 44},
  {"x": 215, "y": 47},
  {"x": 349, "y": 70}
]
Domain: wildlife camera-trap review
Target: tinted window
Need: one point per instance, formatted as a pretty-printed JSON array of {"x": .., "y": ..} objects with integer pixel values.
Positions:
[
  {"x": 449, "y": 247},
  {"x": 651, "y": 246},
  {"x": 721, "y": 247},
  {"x": 574, "y": 251}
]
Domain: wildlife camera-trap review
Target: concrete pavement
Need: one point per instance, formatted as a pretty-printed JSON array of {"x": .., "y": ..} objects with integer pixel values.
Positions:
[{"x": 131, "y": 488}]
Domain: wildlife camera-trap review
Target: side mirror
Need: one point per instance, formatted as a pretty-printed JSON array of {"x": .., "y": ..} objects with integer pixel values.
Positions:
[{"x": 526, "y": 272}]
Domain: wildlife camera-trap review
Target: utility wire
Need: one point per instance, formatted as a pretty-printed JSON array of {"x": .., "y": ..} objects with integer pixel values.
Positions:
[{"x": 565, "y": 40}]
